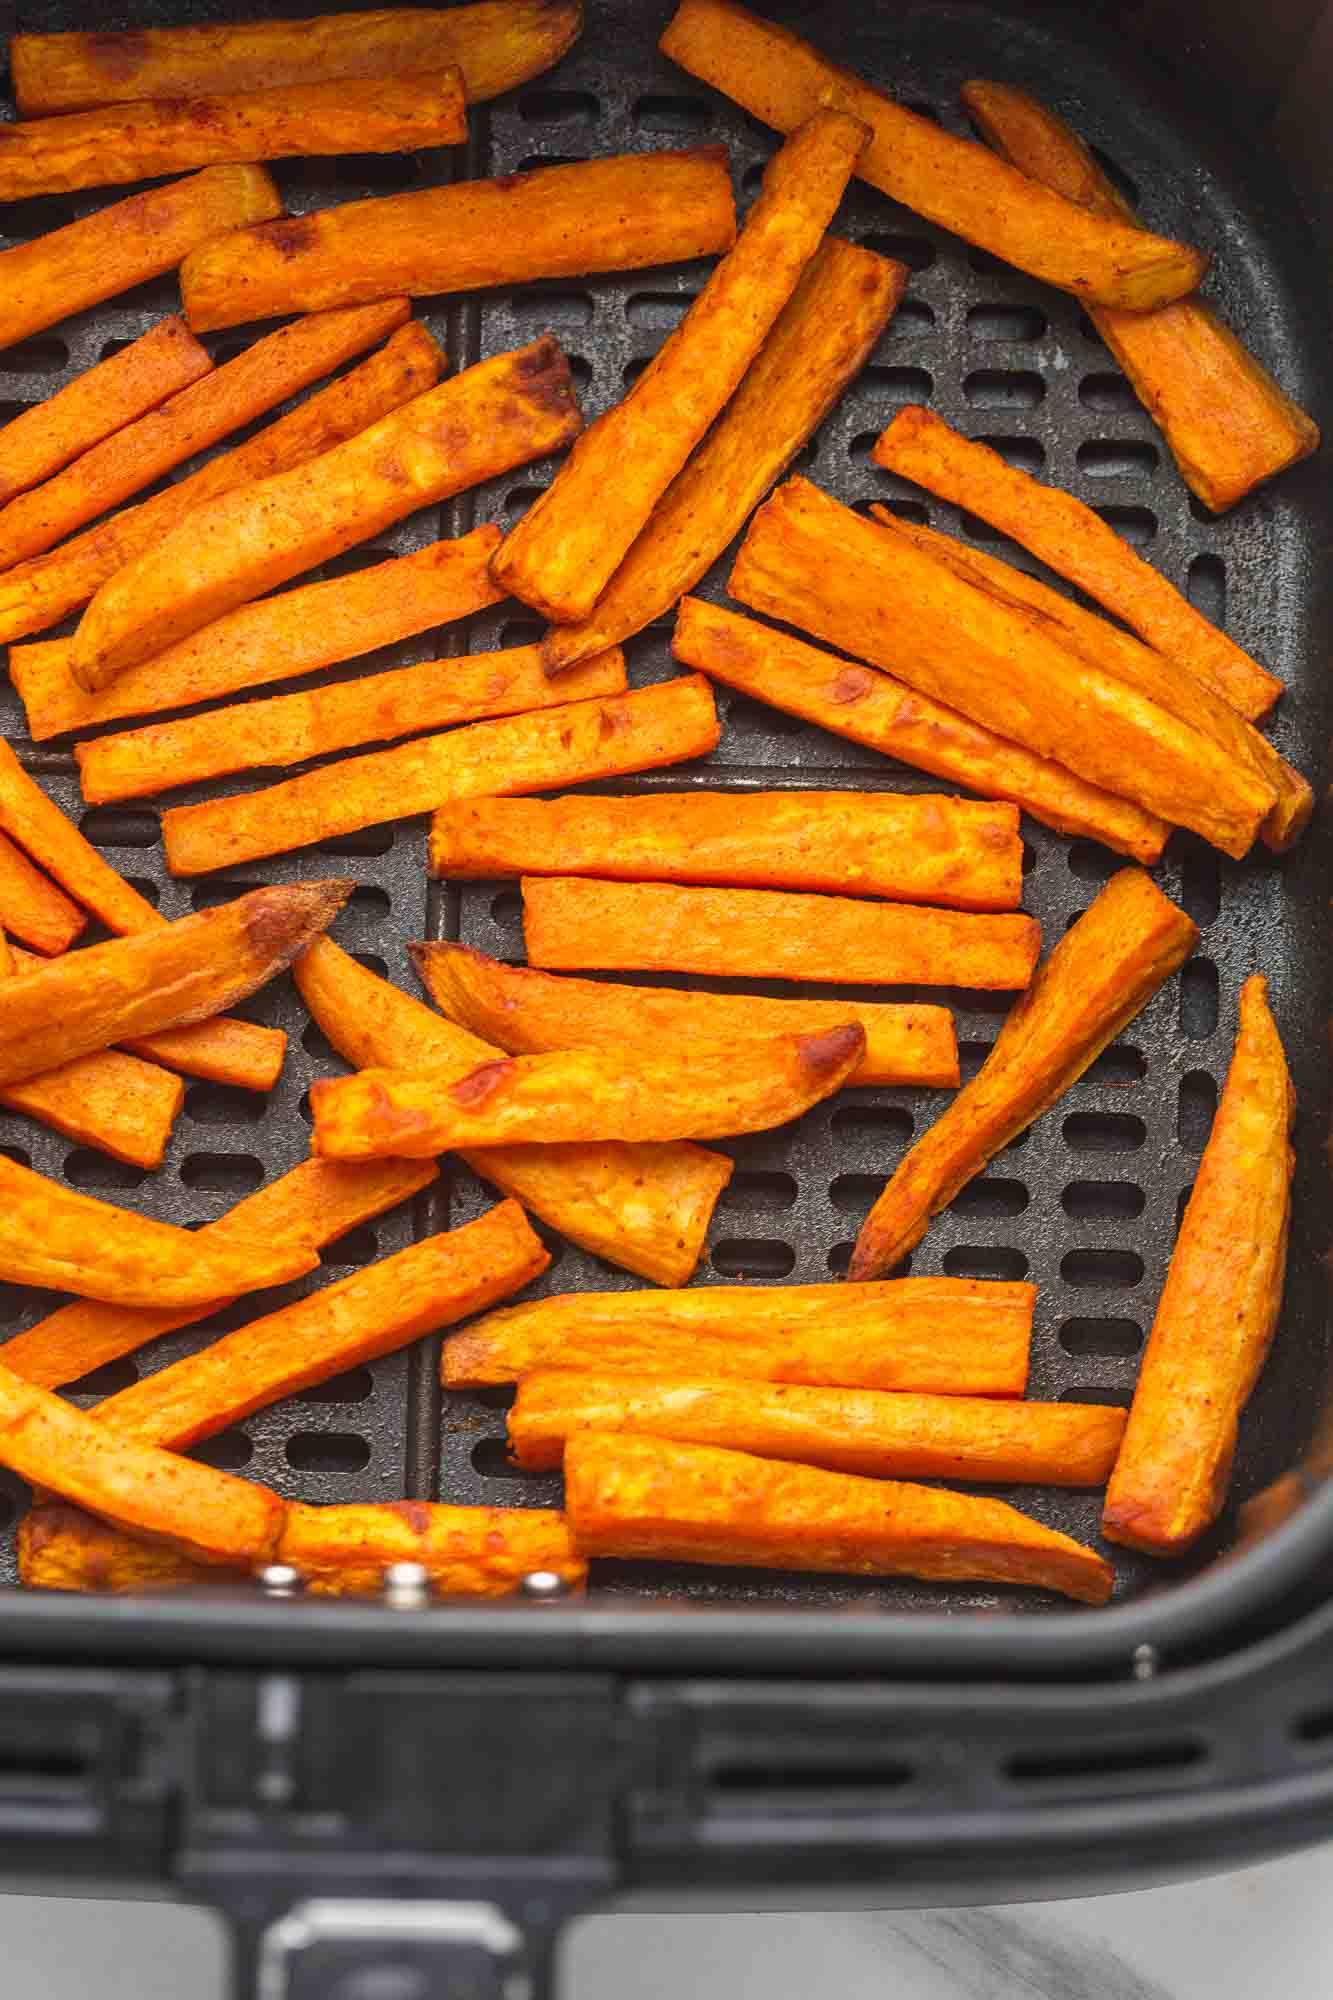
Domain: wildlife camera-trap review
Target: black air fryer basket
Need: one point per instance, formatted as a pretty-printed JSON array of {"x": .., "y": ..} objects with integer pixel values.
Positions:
[{"x": 358, "y": 1784}]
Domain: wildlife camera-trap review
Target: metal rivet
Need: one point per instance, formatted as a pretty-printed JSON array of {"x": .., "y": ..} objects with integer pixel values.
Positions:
[
  {"x": 1145, "y": 1662},
  {"x": 543, "y": 1584},
  {"x": 406, "y": 1586},
  {"x": 279, "y": 1580}
]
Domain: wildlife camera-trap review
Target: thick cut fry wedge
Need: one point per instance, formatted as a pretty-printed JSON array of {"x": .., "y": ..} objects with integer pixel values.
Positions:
[
  {"x": 619, "y": 214},
  {"x": 938, "y": 1336},
  {"x": 63, "y": 1241},
  {"x": 812, "y": 561},
  {"x": 1227, "y": 422},
  {"x": 497, "y": 415},
  {"x": 163, "y": 978},
  {"x": 664, "y": 724},
  {"x": 583, "y": 1095},
  {"x": 309, "y": 1207},
  {"x": 868, "y": 707},
  {"x": 35, "y": 594},
  {"x": 955, "y": 182},
  {"x": 297, "y": 632},
  {"x": 47, "y": 436},
  {"x": 528, "y": 1013},
  {"x": 646, "y": 1208},
  {"x": 639, "y": 1497},
  {"x": 498, "y": 44},
  {"x": 292, "y": 728},
  {"x": 1117, "y": 652},
  {"x": 863, "y": 1431},
  {"x": 915, "y": 850},
  {"x": 1070, "y": 539},
  {"x": 1219, "y": 1307},
  {"x": 88, "y": 261},
  {"x": 135, "y": 142},
  {"x": 818, "y": 344},
  {"x": 32, "y": 907},
  {"x": 373, "y": 1312},
  {"x": 570, "y": 923},
  {"x": 188, "y": 423},
  {"x": 566, "y": 549},
  {"x": 1099, "y": 976},
  {"x": 208, "y": 1515}
]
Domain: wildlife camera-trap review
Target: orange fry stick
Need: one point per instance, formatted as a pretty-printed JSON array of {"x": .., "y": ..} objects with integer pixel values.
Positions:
[
  {"x": 868, "y": 707},
  {"x": 812, "y": 561},
  {"x": 88, "y": 261},
  {"x": 528, "y": 1013},
  {"x": 663, "y": 724},
  {"x": 638, "y": 1497},
  {"x": 863, "y": 1431},
  {"x": 36, "y": 593},
  {"x": 1099, "y": 976},
  {"x": 819, "y": 342},
  {"x": 937, "y": 1336},
  {"x": 135, "y": 142},
  {"x": 617, "y": 214},
  {"x": 1226, "y": 421},
  {"x": 292, "y": 728},
  {"x": 32, "y": 907},
  {"x": 955, "y": 182},
  {"x": 646, "y": 1208},
  {"x": 1070, "y": 539},
  {"x": 1219, "y": 1307},
  {"x": 570, "y": 923},
  {"x": 183, "y": 972},
  {"x": 44, "y": 439},
  {"x": 498, "y": 44},
  {"x": 497, "y": 415},
  {"x": 915, "y": 850},
  {"x": 566, "y": 549},
  {"x": 372, "y": 1312},
  {"x": 309, "y": 1207}
]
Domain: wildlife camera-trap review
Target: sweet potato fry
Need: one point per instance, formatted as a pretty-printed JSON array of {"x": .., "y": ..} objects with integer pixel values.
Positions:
[
  {"x": 187, "y": 423},
  {"x": 372, "y": 1312},
  {"x": 639, "y": 1497},
  {"x": 35, "y": 594},
  {"x": 1117, "y": 652},
  {"x": 646, "y": 1208},
  {"x": 1226, "y": 421},
  {"x": 210, "y": 1516},
  {"x": 812, "y": 561},
  {"x": 663, "y": 724},
  {"x": 781, "y": 79},
  {"x": 566, "y": 548},
  {"x": 1219, "y": 1307},
  {"x": 499, "y": 414},
  {"x": 1099, "y": 976},
  {"x": 67, "y": 1242},
  {"x": 88, "y": 261},
  {"x": 1070, "y": 539},
  {"x": 570, "y": 923},
  {"x": 164, "y": 978},
  {"x": 498, "y": 44},
  {"x": 818, "y": 343},
  {"x": 582, "y": 1095},
  {"x": 868, "y": 707},
  {"x": 863, "y": 1431},
  {"x": 617, "y": 214},
  {"x": 937, "y": 1336},
  {"x": 527, "y": 1013},
  {"x": 44, "y": 438},
  {"x": 292, "y": 728},
  {"x": 310, "y": 1207},
  {"x": 32, "y": 907},
  {"x": 915, "y": 850},
  {"x": 297, "y": 632},
  {"x": 135, "y": 142}
]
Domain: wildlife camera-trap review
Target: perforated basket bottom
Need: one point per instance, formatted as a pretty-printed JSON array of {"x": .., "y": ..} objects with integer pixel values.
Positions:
[{"x": 1087, "y": 1202}]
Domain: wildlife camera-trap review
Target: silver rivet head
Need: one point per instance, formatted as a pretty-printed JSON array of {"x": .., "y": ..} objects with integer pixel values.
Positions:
[
  {"x": 1145, "y": 1663},
  {"x": 279, "y": 1580},
  {"x": 406, "y": 1586},
  {"x": 543, "y": 1584}
]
